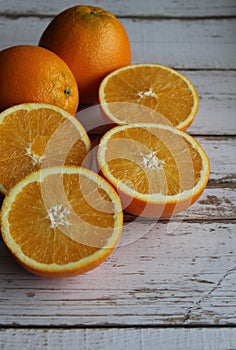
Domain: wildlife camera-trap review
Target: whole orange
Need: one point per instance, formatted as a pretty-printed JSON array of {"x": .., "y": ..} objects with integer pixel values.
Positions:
[
  {"x": 33, "y": 74},
  {"x": 92, "y": 41}
]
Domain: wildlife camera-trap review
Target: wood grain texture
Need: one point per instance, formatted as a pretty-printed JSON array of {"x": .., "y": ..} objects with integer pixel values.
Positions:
[
  {"x": 222, "y": 156},
  {"x": 161, "y": 8},
  {"x": 119, "y": 339},
  {"x": 178, "y": 43},
  {"x": 217, "y": 102},
  {"x": 160, "y": 274}
]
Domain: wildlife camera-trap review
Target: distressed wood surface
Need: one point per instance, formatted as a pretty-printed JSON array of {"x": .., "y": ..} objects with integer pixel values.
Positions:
[
  {"x": 217, "y": 102},
  {"x": 160, "y": 275},
  {"x": 178, "y": 43},
  {"x": 161, "y": 8},
  {"x": 164, "y": 274},
  {"x": 120, "y": 339}
]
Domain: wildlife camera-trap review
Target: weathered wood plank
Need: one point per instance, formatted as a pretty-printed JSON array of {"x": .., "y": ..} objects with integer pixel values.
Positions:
[
  {"x": 185, "y": 44},
  {"x": 214, "y": 204},
  {"x": 169, "y": 275},
  {"x": 119, "y": 339},
  {"x": 222, "y": 156},
  {"x": 162, "y": 8},
  {"x": 177, "y": 43},
  {"x": 217, "y": 104}
]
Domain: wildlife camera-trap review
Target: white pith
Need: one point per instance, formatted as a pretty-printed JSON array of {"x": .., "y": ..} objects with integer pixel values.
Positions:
[
  {"x": 34, "y": 157},
  {"x": 149, "y": 92},
  {"x": 58, "y": 215},
  {"x": 151, "y": 161}
]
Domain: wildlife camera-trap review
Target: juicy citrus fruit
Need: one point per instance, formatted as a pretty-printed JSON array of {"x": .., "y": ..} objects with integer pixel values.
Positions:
[
  {"x": 61, "y": 221},
  {"x": 169, "y": 97},
  {"x": 34, "y": 136},
  {"x": 93, "y": 43},
  {"x": 158, "y": 170},
  {"x": 33, "y": 74}
]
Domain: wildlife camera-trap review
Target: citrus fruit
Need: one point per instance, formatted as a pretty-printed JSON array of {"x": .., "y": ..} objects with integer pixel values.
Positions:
[
  {"x": 148, "y": 93},
  {"x": 157, "y": 170},
  {"x": 37, "y": 135},
  {"x": 93, "y": 43},
  {"x": 61, "y": 221},
  {"x": 33, "y": 74}
]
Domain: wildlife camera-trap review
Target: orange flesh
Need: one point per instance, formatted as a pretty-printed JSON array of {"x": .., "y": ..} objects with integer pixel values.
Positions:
[
  {"x": 153, "y": 161},
  {"x": 24, "y": 137},
  {"x": 161, "y": 90},
  {"x": 88, "y": 220}
]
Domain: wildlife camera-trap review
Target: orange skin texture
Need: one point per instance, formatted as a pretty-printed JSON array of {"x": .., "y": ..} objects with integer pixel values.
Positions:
[
  {"x": 33, "y": 74},
  {"x": 93, "y": 43}
]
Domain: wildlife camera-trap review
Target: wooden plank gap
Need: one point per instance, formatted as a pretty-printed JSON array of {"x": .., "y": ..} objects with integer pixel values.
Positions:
[
  {"x": 13, "y": 15},
  {"x": 231, "y": 220},
  {"x": 207, "y": 69},
  {"x": 220, "y": 184},
  {"x": 120, "y": 326}
]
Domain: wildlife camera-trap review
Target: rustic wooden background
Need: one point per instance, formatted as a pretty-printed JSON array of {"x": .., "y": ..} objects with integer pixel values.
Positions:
[{"x": 171, "y": 284}]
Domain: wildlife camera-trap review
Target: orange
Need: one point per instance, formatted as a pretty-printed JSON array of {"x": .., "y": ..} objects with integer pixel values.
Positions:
[
  {"x": 93, "y": 43},
  {"x": 61, "y": 221},
  {"x": 33, "y": 74},
  {"x": 148, "y": 93},
  {"x": 36, "y": 135},
  {"x": 157, "y": 170}
]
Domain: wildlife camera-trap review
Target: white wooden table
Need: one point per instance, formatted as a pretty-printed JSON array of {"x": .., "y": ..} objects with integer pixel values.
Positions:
[{"x": 170, "y": 284}]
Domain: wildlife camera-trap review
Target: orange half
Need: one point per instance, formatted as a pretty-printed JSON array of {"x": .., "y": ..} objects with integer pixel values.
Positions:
[
  {"x": 61, "y": 221},
  {"x": 35, "y": 136},
  {"x": 148, "y": 93},
  {"x": 157, "y": 170}
]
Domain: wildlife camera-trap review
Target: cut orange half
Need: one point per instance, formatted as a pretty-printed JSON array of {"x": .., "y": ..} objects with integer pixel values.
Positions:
[
  {"x": 157, "y": 170},
  {"x": 36, "y": 135},
  {"x": 61, "y": 221},
  {"x": 146, "y": 93}
]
